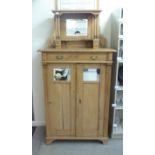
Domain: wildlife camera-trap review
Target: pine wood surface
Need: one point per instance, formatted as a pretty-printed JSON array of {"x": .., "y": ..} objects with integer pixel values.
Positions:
[
  {"x": 77, "y": 109},
  {"x": 79, "y": 50}
]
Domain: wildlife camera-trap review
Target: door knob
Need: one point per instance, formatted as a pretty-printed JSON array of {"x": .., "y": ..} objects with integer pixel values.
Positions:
[
  {"x": 80, "y": 101},
  {"x": 49, "y": 102},
  {"x": 59, "y": 57},
  {"x": 93, "y": 57}
]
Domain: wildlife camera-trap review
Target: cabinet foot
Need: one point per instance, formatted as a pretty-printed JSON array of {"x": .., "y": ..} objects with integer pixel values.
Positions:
[
  {"x": 49, "y": 141},
  {"x": 104, "y": 141}
]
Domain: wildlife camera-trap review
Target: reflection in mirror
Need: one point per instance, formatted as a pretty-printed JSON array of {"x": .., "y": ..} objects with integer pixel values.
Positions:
[
  {"x": 91, "y": 74},
  {"x": 61, "y": 74},
  {"x": 76, "y": 27}
]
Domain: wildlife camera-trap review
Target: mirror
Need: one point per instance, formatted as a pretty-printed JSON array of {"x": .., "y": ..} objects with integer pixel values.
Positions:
[
  {"x": 91, "y": 74},
  {"x": 76, "y": 27},
  {"x": 62, "y": 74}
]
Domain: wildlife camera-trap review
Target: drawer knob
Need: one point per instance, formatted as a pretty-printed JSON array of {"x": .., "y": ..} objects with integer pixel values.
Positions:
[
  {"x": 93, "y": 57},
  {"x": 59, "y": 57},
  {"x": 49, "y": 102}
]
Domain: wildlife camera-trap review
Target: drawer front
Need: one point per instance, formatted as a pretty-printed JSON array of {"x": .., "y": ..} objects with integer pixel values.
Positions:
[
  {"x": 92, "y": 57},
  {"x": 77, "y": 57},
  {"x": 61, "y": 57}
]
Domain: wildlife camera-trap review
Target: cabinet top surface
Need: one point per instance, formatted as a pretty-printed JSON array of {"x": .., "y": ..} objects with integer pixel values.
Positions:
[
  {"x": 77, "y": 11},
  {"x": 101, "y": 50}
]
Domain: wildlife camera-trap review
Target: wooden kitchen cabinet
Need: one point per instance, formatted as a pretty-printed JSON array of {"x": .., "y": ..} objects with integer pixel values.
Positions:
[
  {"x": 77, "y": 77},
  {"x": 77, "y": 106}
]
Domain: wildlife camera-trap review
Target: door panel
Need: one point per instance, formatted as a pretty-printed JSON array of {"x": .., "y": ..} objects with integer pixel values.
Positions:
[
  {"x": 61, "y": 99},
  {"x": 90, "y": 109},
  {"x": 88, "y": 99}
]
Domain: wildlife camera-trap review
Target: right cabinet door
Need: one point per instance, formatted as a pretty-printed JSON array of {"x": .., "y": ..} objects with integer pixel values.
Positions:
[{"x": 90, "y": 100}]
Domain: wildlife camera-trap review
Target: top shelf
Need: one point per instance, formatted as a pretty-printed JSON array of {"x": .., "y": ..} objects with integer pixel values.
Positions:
[
  {"x": 99, "y": 50},
  {"x": 59, "y": 12},
  {"x": 76, "y": 4},
  {"x": 121, "y": 20}
]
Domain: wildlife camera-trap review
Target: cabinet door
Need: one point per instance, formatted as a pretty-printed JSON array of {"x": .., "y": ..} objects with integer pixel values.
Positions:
[
  {"x": 90, "y": 102},
  {"x": 61, "y": 100}
]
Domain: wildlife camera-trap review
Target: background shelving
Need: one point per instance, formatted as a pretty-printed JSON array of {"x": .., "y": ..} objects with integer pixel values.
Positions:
[{"x": 117, "y": 127}]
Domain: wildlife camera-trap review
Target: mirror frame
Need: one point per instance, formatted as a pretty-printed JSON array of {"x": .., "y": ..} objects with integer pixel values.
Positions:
[{"x": 59, "y": 5}]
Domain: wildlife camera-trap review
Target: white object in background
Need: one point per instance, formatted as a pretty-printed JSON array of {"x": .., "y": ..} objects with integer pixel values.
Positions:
[
  {"x": 114, "y": 105},
  {"x": 115, "y": 125},
  {"x": 120, "y": 60},
  {"x": 119, "y": 87},
  {"x": 120, "y": 37}
]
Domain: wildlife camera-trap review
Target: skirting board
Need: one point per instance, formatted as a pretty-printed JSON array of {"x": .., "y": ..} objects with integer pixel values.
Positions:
[
  {"x": 119, "y": 136},
  {"x": 38, "y": 123}
]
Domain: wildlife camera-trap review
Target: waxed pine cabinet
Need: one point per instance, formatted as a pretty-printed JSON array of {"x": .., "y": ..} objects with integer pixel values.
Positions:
[
  {"x": 77, "y": 107},
  {"x": 77, "y": 77}
]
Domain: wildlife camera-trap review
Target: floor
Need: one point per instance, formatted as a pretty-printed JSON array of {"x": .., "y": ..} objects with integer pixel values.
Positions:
[{"x": 114, "y": 146}]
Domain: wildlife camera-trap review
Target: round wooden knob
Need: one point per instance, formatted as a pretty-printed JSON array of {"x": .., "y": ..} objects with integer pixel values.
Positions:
[
  {"x": 93, "y": 57},
  {"x": 59, "y": 57}
]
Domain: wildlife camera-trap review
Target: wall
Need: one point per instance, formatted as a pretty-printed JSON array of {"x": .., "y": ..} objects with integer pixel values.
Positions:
[
  {"x": 42, "y": 28},
  {"x": 109, "y": 20}
]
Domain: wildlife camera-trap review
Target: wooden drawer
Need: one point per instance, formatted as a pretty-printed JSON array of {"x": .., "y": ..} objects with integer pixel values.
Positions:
[
  {"x": 77, "y": 57},
  {"x": 61, "y": 57},
  {"x": 92, "y": 57}
]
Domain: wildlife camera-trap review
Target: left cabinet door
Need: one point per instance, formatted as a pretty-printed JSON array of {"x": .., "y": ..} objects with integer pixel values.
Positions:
[{"x": 60, "y": 106}]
